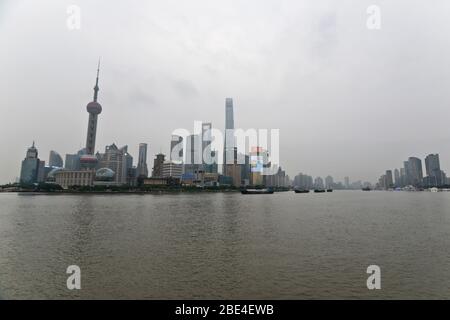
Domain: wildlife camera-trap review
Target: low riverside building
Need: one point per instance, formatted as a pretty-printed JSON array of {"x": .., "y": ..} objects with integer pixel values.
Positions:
[
  {"x": 69, "y": 178},
  {"x": 169, "y": 181},
  {"x": 172, "y": 170},
  {"x": 205, "y": 179},
  {"x": 83, "y": 178}
]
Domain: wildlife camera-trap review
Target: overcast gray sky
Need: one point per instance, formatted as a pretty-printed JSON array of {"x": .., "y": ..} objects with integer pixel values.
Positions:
[{"x": 347, "y": 100}]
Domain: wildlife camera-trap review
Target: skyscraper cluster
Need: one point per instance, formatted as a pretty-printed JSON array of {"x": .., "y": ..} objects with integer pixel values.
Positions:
[
  {"x": 411, "y": 175},
  {"x": 192, "y": 160},
  {"x": 306, "y": 182}
]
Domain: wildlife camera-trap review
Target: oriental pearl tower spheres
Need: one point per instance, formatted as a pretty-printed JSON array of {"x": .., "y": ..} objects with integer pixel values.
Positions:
[{"x": 89, "y": 160}]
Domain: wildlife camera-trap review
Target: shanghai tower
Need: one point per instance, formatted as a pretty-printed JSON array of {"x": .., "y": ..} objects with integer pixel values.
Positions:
[
  {"x": 94, "y": 108},
  {"x": 229, "y": 133}
]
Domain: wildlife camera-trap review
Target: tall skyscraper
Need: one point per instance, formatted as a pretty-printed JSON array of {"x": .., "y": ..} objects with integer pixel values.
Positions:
[
  {"x": 435, "y": 176},
  {"x": 229, "y": 133},
  {"x": 397, "y": 179},
  {"x": 408, "y": 174},
  {"x": 347, "y": 182},
  {"x": 415, "y": 171},
  {"x": 229, "y": 117},
  {"x": 30, "y": 166},
  {"x": 55, "y": 160},
  {"x": 142, "y": 169},
  {"x": 118, "y": 160},
  {"x": 258, "y": 161},
  {"x": 176, "y": 149},
  {"x": 403, "y": 181},
  {"x": 206, "y": 142},
  {"x": 329, "y": 182},
  {"x": 41, "y": 171},
  {"x": 209, "y": 161},
  {"x": 389, "y": 183},
  {"x": 193, "y": 153},
  {"x": 158, "y": 166},
  {"x": 432, "y": 165},
  {"x": 303, "y": 181},
  {"x": 94, "y": 109},
  {"x": 73, "y": 160}
]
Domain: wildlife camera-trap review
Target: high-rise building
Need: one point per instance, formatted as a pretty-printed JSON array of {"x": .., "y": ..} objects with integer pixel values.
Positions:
[
  {"x": 234, "y": 171},
  {"x": 55, "y": 160},
  {"x": 193, "y": 154},
  {"x": 318, "y": 183},
  {"x": 276, "y": 180},
  {"x": 382, "y": 182},
  {"x": 258, "y": 161},
  {"x": 30, "y": 166},
  {"x": 347, "y": 182},
  {"x": 176, "y": 149},
  {"x": 229, "y": 143},
  {"x": 403, "y": 181},
  {"x": 206, "y": 141},
  {"x": 245, "y": 168},
  {"x": 41, "y": 171},
  {"x": 389, "y": 182},
  {"x": 407, "y": 176},
  {"x": 118, "y": 160},
  {"x": 142, "y": 169},
  {"x": 329, "y": 182},
  {"x": 432, "y": 165},
  {"x": 209, "y": 161},
  {"x": 397, "y": 179},
  {"x": 157, "y": 171},
  {"x": 128, "y": 159},
  {"x": 303, "y": 181},
  {"x": 73, "y": 160},
  {"x": 416, "y": 172},
  {"x": 435, "y": 176}
]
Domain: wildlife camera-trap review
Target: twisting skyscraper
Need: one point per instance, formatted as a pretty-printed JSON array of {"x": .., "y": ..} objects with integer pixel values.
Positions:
[
  {"x": 94, "y": 108},
  {"x": 229, "y": 134},
  {"x": 142, "y": 169}
]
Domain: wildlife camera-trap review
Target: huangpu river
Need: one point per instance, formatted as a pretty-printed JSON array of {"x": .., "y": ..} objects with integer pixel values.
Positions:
[{"x": 226, "y": 245}]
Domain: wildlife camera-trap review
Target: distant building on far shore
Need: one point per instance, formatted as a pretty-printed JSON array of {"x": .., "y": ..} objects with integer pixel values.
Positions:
[
  {"x": 172, "y": 170},
  {"x": 55, "y": 160},
  {"x": 158, "y": 166},
  {"x": 30, "y": 166},
  {"x": 142, "y": 169}
]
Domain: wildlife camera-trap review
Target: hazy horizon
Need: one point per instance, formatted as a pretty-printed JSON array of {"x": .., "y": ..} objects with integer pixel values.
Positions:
[{"x": 349, "y": 101}]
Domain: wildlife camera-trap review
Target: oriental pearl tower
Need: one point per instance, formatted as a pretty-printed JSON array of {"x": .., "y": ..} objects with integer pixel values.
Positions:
[{"x": 89, "y": 160}]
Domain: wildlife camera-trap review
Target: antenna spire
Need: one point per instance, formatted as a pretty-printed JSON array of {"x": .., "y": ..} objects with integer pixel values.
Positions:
[{"x": 96, "y": 82}]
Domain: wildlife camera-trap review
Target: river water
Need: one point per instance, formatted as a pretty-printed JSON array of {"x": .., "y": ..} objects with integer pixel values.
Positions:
[{"x": 226, "y": 245}]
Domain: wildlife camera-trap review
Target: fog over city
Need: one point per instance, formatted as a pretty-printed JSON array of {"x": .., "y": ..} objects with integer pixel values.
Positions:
[{"x": 348, "y": 100}]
